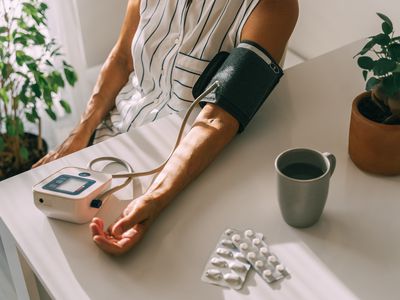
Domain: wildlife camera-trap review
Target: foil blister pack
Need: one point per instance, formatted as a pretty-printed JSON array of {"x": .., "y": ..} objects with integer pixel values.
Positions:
[
  {"x": 226, "y": 266},
  {"x": 233, "y": 256},
  {"x": 258, "y": 254}
]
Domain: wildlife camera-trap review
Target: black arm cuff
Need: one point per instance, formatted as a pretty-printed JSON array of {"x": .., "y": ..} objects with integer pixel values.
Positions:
[{"x": 247, "y": 76}]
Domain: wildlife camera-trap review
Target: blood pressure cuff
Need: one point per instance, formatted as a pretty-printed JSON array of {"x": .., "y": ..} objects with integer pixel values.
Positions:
[{"x": 246, "y": 76}]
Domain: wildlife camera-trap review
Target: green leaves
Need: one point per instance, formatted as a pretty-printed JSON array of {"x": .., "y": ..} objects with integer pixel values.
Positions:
[
  {"x": 14, "y": 126},
  {"x": 66, "y": 106},
  {"x": 383, "y": 66},
  {"x": 365, "y": 62},
  {"x": 2, "y": 144},
  {"x": 371, "y": 83},
  {"x": 51, "y": 113},
  {"x": 381, "y": 39},
  {"x": 30, "y": 81},
  {"x": 70, "y": 74},
  {"x": 383, "y": 63},
  {"x": 24, "y": 153},
  {"x": 394, "y": 51},
  {"x": 385, "y": 19}
]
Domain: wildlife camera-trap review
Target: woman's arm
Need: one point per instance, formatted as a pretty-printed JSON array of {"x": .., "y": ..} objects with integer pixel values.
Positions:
[
  {"x": 212, "y": 131},
  {"x": 113, "y": 76}
]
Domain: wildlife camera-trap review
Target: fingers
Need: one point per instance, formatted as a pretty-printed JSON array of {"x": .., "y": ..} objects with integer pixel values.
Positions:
[
  {"x": 113, "y": 245},
  {"x": 45, "y": 159},
  {"x": 127, "y": 222}
]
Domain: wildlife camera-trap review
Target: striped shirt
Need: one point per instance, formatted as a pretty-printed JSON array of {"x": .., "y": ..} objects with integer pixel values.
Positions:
[{"x": 174, "y": 42}]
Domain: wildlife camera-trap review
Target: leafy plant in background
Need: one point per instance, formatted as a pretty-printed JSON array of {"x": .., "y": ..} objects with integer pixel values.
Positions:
[
  {"x": 381, "y": 71},
  {"x": 32, "y": 73}
]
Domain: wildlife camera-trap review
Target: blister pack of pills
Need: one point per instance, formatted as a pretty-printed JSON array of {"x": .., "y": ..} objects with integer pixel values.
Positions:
[
  {"x": 227, "y": 266},
  {"x": 258, "y": 254}
]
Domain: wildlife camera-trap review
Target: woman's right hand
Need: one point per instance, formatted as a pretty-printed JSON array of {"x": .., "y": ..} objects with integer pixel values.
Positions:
[{"x": 77, "y": 140}]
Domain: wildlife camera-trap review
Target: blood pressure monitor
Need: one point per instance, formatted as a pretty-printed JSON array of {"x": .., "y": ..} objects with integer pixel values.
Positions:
[{"x": 71, "y": 194}]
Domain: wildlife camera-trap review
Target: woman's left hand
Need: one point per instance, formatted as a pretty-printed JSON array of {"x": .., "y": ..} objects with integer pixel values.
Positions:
[{"x": 129, "y": 229}]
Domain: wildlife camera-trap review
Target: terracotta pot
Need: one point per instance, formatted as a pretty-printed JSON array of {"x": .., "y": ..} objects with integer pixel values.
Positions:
[{"x": 373, "y": 147}]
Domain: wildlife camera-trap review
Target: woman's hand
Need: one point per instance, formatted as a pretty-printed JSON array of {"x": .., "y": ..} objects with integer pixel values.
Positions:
[
  {"x": 77, "y": 140},
  {"x": 129, "y": 229}
]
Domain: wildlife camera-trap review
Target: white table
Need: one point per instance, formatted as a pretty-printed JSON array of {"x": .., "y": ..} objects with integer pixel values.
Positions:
[{"x": 352, "y": 253}]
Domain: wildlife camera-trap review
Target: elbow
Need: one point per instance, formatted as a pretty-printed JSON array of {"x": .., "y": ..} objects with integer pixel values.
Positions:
[{"x": 218, "y": 120}]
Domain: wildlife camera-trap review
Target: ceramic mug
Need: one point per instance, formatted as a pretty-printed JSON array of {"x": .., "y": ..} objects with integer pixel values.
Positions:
[{"x": 303, "y": 183}]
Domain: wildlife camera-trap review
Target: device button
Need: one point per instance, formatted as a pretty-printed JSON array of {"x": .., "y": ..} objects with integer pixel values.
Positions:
[
  {"x": 84, "y": 174},
  {"x": 96, "y": 203}
]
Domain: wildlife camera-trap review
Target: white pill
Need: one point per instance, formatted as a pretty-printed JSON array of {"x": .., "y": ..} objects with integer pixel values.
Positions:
[
  {"x": 251, "y": 256},
  {"x": 228, "y": 231},
  {"x": 264, "y": 251},
  {"x": 218, "y": 262},
  {"x": 238, "y": 267},
  {"x": 259, "y": 264},
  {"x": 244, "y": 246},
  {"x": 236, "y": 238},
  {"x": 232, "y": 278},
  {"x": 256, "y": 242},
  {"x": 280, "y": 268},
  {"x": 272, "y": 259},
  {"x": 224, "y": 252},
  {"x": 227, "y": 243},
  {"x": 267, "y": 273},
  {"x": 214, "y": 274},
  {"x": 240, "y": 257},
  {"x": 249, "y": 233}
]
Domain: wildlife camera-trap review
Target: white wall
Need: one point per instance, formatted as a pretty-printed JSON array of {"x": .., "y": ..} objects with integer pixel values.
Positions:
[
  {"x": 326, "y": 25},
  {"x": 100, "y": 22}
]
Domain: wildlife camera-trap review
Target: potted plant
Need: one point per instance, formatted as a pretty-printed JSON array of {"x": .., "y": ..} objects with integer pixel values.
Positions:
[
  {"x": 32, "y": 73},
  {"x": 374, "y": 137}
]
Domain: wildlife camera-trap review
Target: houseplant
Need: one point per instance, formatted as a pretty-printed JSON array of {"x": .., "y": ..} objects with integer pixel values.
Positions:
[
  {"x": 374, "y": 138},
  {"x": 32, "y": 73}
]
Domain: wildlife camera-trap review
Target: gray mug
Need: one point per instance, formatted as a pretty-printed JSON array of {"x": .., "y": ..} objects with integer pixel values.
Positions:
[{"x": 303, "y": 183}]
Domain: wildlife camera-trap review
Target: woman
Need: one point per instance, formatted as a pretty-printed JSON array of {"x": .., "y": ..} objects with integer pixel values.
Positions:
[{"x": 164, "y": 46}]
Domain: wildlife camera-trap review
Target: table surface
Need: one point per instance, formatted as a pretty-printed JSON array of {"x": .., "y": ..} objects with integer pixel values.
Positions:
[{"x": 352, "y": 253}]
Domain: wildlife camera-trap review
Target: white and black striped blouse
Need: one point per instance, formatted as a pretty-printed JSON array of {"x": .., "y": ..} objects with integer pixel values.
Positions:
[{"x": 173, "y": 44}]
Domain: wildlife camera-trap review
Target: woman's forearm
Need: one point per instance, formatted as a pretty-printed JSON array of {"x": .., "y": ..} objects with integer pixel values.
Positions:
[
  {"x": 113, "y": 76},
  {"x": 213, "y": 129}
]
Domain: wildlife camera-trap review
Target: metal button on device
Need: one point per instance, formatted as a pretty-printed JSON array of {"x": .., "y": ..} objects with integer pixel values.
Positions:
[{"x": 84, "y": 174}]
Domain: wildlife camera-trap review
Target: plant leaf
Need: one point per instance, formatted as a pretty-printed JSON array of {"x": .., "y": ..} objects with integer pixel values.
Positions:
[
  {"x": 383, "y": 66},
  {"x": 385, "y": 18},
  {"x": 386, "y": 28},
  {"x": 365, "y": 74},
  {"x": 24, "y": 153},
  {"x": 10, "y": 127},
  {"x": 66, "y": 106},
  {"x": 4, "y": 95},
  {"x": 382, "y": 39},
  {"x": 394, "y": 51},
  {"x": 71, "y": 76},
  {"x": 366, "y": 62},
  {"x": 368, "y": 46},
  {"x": 2, "y": 144},
  {"x": 51, "y": 114},
  {"x": 371, "y": 83}
]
